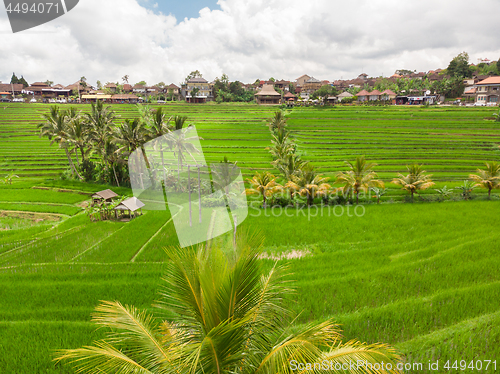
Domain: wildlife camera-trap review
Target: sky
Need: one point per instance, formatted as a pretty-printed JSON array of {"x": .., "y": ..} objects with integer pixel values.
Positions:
[{"x": 163, "y": 41}]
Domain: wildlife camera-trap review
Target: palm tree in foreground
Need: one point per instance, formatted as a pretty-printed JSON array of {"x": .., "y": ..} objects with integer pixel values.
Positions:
[
  {"x": 226, "y": 316},
  {"x": 489, "y": 178},
  {"x": 415, "y": 181},
  {"x": 360, "y": 177}
]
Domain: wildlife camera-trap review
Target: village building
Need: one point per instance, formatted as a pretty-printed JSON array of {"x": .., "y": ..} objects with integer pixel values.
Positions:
[
  {"x": 311, "y": 85},
  {"x": 111, "y": 87},
  {"x": 302, "y": 79},
  {"x": 268, "y": 96},
  {"x": 344, "y": 95},
  {"x": 202, "y": 89},
  {"x": 488, "y": 91},
  {"x": 173, "y": 91}
]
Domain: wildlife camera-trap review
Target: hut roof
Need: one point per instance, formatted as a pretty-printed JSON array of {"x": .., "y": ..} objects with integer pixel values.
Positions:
[
  {"x": 345, "y": 94},
  {"x": 363, "y": 93},
  {"x": 106, "y": 194},
  {"x": 131, "y": 204},
  {"x": 289, "y": 95},
  {"x": 375, "y": 93},
  {"x": 388, "y": 92},
  {"x": 267, "y": 90}
]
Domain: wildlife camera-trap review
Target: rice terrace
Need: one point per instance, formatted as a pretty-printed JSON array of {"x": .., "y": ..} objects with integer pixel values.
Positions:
[{"x": 416, "y": 269}]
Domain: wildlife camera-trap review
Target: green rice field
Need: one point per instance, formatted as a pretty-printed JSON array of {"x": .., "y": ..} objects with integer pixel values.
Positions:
[{"x": 422, "y": 277}]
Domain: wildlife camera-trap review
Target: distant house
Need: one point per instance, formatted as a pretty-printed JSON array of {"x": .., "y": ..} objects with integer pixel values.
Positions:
[
  {"x": 344, "y": 95},
  {"x": 290, "y": 97},
  {"x": 127, "y": 88},
  {"x": 139, "y": 88},
  {"x": 173, "y": 91},
  {"x": 204, "y": 93},
  {"x": 5, "y": 96},
  {"x": 282, "y": 85},
  {"x": 301, "y": 80},
  {"x": 488, "y": 91},
  {"x": 311, "y": 85},
  {"x": 15, "y": 89},
  {"x": 363, "y": 76},
  {"x": 125, "y": 98},
  {"x": 267, "y": 96},
  {"x": 111, "y": 86},
  {"x": 363, "y": 95},
  {"x": 387, "y": 95},
  {"x": 374, "y": 95}
]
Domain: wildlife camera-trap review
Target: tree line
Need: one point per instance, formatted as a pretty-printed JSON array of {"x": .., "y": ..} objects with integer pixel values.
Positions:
[{"x": 97, "y": 148}]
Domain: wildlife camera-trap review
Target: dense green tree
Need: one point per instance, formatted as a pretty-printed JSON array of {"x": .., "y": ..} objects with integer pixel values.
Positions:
[
  {"x": 459, "y": 66},
  {"x": 193, "y": 74},
  {"x": 23, "y": 82},
  {"x": 325, "y": 91},
  {"x": 14, "y": 79},
  {"x": 142, "y": 83}
]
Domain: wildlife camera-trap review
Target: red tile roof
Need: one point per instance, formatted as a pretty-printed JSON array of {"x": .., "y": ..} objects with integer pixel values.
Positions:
[
  {"x": 363, "y": 93},
  {"x": 490, "y": 80}
]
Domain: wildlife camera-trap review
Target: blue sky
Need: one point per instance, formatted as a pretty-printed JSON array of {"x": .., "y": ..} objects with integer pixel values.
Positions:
[{"x": 179, "y": 8}]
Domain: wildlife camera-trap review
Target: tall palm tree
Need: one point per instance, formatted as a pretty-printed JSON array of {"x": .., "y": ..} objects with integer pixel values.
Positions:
[
  {"x": 55, "y": 127},
  {"x": 225, "y": 316},
  {"x": 131, "y": 135},
  {"x": 179, "y": 122},
  {"x": 309, "y": 183},
  {"x": 263, "y": 184},
  {"x": 77, "y": 132},
  {"x": 290, "y": 166},
  {"x": 281, "y": 146},
  {"x": 360, "y": 177},
  {"x": 181, "y": 143},
  {"x": 160, "y": 126},
  {"x": 278, "y": 122},
  {"x": 100, "y": 122},
  {"x": 489, "y": 178},
  {"x": 415, "y": 181}
]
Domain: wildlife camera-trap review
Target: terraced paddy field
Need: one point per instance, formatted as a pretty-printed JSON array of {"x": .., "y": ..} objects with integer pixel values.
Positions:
[
  {"x": 423, "y": 277},
  {"x": 451, "y": 142}
]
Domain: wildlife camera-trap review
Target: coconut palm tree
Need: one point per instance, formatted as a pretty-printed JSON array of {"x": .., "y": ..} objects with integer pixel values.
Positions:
[
  {"x": 77, "y": 133},
  {"x": 100, "y": 122},
  {"x": 179, "y": 122},
  {"x": 415, "y": 181},
  {"x": 282, "y": 146},
  {"x": 309, "y": 184},
  {"x": 263, "y": 184},
  {"x": 181, "y": 142},
  {"x": 289, "y": 166},
  {"x": 131, "y": 135},
  {"x": 226, "y": 315},
  {"x": 489, "y": 178},
  {"x": 278, "y": 122},
  {"x": 55, "y": 127},
  {"x": 360, "y": 177}
]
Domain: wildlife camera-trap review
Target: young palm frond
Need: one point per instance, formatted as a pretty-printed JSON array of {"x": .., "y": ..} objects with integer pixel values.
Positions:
[
  {"x": 488, "y": 178},
  {"x": 415, "y": 181},
  {"x": 360, "y": 177},
  {"x": 225, "y": 316},
  {"x": 278, "y": 122}
]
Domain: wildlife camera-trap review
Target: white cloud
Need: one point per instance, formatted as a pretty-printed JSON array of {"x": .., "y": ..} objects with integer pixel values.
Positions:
[{"x": 247, "y": 40}]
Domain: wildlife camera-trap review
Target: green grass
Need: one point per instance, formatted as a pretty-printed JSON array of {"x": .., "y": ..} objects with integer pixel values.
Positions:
[{"x": 422, "y": 277}]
